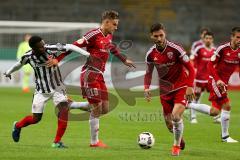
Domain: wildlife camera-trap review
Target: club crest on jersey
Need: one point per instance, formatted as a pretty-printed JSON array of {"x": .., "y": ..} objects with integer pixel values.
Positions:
[{"x": 170, "y": 55}]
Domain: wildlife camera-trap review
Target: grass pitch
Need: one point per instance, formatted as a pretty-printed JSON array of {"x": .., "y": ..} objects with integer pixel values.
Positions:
[{"x": 119, "y": 129}]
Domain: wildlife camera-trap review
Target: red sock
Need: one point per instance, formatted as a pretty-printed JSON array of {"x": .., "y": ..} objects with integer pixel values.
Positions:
[
  {"x": 62, "y": 124},
  {"x": 28, "y": 120}
]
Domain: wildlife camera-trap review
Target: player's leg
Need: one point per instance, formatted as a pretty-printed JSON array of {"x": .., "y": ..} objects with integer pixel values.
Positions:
[
  {"x": 39, "y": 101},
  {"x": 167, "y": 112},
  {"x": 198, "y": 94},
  {"x": 197, "y": 90},
  {"x": 100, "y": 108},
  {"x": 94, "y": 123},
  {"x": 204, "y": 108},
  {"x": 62, "y": 108},
  {"x": 225, "y": 118},
  {"x": 177, "y": 126},
  {"x": 85, "y": 106}
]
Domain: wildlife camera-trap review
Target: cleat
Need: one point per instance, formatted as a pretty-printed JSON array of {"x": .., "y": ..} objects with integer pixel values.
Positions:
[
  {"x": 99, "y": 144},
  {"x": 176, "y": 150},
  {"x": 182, "y": 144},
  {"x": 228, "y": 139},
  {"x": 193, "y": 121},
  {"x": 16, "y": 132},
  {"x": 59, "y": 145}
]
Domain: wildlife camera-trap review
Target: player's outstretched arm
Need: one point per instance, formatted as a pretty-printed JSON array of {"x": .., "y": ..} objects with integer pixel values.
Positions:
[{"x": 14, "y": 68}]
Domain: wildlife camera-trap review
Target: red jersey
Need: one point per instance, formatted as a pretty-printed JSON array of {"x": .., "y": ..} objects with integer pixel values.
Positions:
[
  {"x": 171, "y": 65},
  {"x": 224, "y": 62},
  {"x": 99, "y": 46},
  {"x": 202, "y": 57}
]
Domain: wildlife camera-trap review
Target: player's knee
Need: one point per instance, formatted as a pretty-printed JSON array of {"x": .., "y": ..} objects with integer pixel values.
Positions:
[
  {"x": 176, "y": 117},
  {"x": 226, "y": 107},
  {"x": 37, "y": 117},
  {"x": 214, "y": 112}
]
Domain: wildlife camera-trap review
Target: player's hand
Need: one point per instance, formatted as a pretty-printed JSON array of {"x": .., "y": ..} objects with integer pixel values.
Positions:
[
  {"x": 190, "y": 96},
  {"x": 147, "y": 95},
  {"x": 52, "y": 62},
  {"x": 129, "y": 63},
  {"x": 222, "y": 86},
  {"x": 7, "y": 75}
]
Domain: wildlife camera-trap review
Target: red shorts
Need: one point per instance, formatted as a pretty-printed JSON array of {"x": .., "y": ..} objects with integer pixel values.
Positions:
[
  {"x": 217, "y": 97},
  {"x": 200, "y": 87},
  {"x": 93, "y": 86},
  {"x": 168, "y": 100}
]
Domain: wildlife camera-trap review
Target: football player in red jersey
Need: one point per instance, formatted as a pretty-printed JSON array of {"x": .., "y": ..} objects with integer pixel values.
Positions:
[
  {"x": 201, "y": 57},
  {"x": 199, "y": 42},
  {"x": 223, "y": 63},
  {"x": 98, "y": 43},
  {"x": 176, "y": 86}
]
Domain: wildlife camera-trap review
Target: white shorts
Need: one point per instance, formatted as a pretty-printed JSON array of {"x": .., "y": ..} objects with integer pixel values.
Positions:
[{"x": 40, "y": 99}]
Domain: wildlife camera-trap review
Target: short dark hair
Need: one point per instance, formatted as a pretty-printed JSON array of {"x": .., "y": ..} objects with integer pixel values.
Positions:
[
  {"x": 156, "y": 27},
  {"x": 208, "y": 33},
  {"x": 34, "y": 40},
  {"x": 110, "y": 14},
  {"x": 235, "y": 29},
  {"x": 204, "y": 29}
]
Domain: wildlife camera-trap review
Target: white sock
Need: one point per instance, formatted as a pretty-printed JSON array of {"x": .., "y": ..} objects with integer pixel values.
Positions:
[
  {"x": 203, "y": 108},
  {"x": 94, "y": 129},
  {"x": 225, "y": 117},
  {"x": 177, "y": 132},
  {"x": 78, "y": 105}
]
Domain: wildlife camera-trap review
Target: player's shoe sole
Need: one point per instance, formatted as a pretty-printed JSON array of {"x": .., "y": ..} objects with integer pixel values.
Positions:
[
  {"x": 59, "y": 145},
  {"x": 16, "y": 132}
]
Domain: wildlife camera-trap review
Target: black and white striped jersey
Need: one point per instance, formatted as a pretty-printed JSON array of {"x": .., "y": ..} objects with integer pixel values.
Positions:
[{"x": 47, "y": 79}]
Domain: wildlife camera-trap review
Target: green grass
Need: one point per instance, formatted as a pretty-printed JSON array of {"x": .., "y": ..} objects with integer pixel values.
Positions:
[{"x": 119, "y": 129}]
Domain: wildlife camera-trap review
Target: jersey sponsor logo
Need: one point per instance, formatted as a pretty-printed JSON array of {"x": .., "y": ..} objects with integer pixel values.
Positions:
[
  {"x": 102, "y": 50},
  {"x": 205, "y": 59},
  {"x": 213, "y": 58},
  {"x": 170, "y": 55},
  {"x": 228, "y": 54},
  {"x": 185, "y": 58},
  {"x": 232, "y": 62}
]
